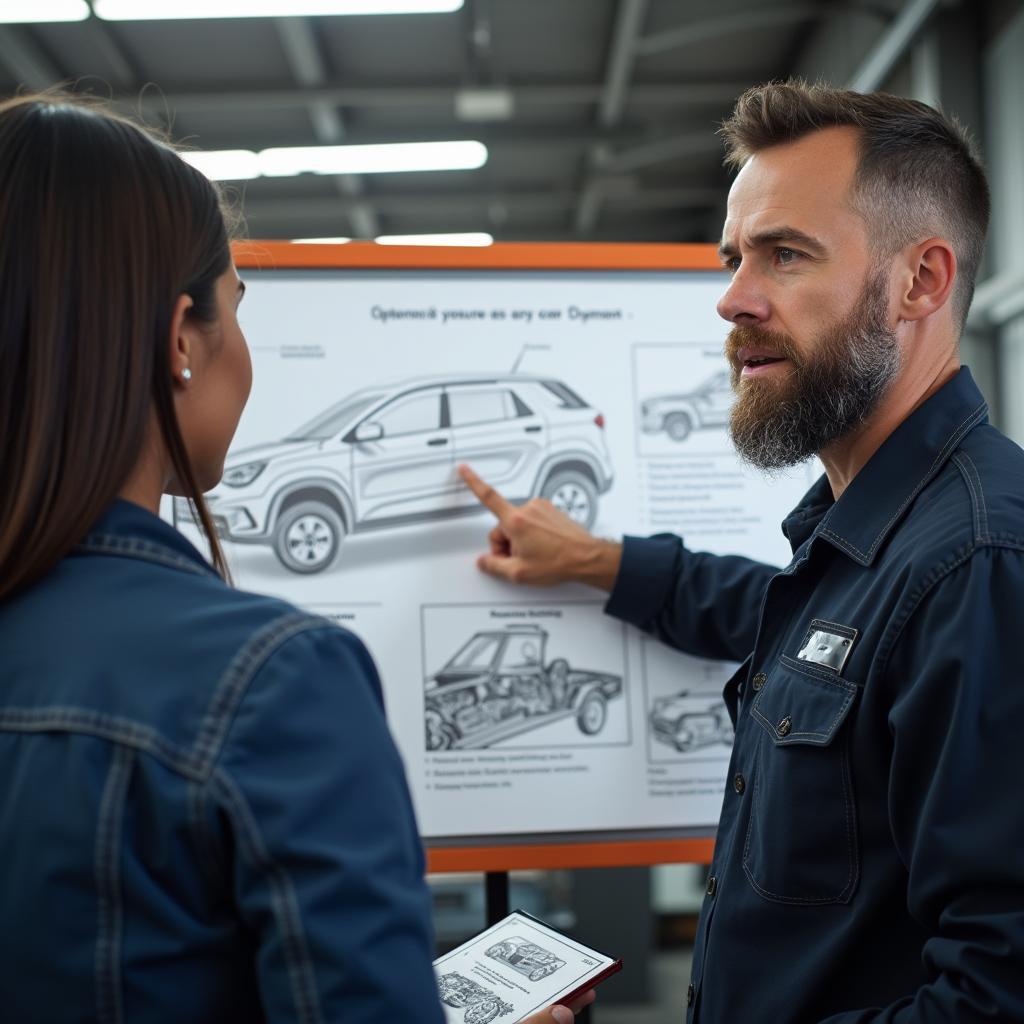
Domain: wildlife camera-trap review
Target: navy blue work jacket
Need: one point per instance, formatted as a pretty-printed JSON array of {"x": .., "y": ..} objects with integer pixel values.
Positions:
[
  {"x": 869, "y": 864},
  {"x": 203, "y": 817}
]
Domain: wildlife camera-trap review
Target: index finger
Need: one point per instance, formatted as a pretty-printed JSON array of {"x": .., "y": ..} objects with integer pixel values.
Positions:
[{"x": 486, "y": 494}]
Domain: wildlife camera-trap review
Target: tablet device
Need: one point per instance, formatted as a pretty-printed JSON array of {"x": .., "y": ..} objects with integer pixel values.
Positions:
[{"x": 516, "y": 967}]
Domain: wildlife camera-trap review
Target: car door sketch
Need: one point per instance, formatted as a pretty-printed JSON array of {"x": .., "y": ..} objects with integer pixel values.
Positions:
[
  {"x": 402, "y": 457},
  {"x": 499, "y": 435}
]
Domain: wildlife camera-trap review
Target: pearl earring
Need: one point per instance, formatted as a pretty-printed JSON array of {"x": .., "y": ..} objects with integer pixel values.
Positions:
[{"x": 186, "y": 374}]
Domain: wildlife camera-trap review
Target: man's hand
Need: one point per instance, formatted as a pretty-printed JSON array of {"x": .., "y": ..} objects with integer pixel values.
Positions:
[
  {"x": 535, "y": 543},
  {"x": 561, "y": 1014}
]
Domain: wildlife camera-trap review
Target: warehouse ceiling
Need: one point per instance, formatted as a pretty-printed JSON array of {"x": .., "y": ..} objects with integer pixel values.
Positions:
[{"x": 599, "y": 115}]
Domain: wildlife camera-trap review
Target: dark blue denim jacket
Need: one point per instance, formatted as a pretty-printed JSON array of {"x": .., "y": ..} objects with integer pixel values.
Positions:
[
  {"x": 203, "y": 815},
  {"x": 869, "y": 864}
]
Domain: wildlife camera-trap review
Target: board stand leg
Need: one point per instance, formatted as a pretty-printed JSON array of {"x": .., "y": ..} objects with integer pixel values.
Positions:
[{"x": 497, "y": 886}]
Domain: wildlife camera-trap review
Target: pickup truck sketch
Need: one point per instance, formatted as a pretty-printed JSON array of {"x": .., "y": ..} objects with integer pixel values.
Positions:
[
  {"x": 386, "y": 456},
  {"x": 688, "y": 722},
  {"x": 481, "y": 1004},
  {"x": 679, "y": 413},
  {"x": 526, "y": 957},
  {"x": 497, "y": 686}
]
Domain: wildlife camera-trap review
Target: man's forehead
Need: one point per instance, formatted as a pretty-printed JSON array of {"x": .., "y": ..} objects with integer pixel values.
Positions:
[{"x": 803, "y": 185}]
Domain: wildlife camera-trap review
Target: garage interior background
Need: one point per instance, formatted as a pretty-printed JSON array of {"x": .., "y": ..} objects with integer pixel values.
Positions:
[{"x": 599, "y": 120}]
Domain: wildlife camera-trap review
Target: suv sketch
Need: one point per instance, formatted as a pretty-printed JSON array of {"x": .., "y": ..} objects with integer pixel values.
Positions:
[
  {"x": 680, "y": 413},
  {"x": 526, "y": 957},
  {"x": 687, "y": 721},
  {"x": 496, "y": 686},
  {"x": 386, "y": 456},
  {"x": 481, "y": 1004}
]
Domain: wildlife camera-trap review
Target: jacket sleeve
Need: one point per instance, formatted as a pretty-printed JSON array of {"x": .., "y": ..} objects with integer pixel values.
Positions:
[
  {"x": 955, "y": 804},
  {"x": 706, "y": 605},
  {"x": 326, "y": 861}
]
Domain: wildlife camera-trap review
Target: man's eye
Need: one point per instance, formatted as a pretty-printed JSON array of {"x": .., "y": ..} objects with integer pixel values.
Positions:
[
  {"x": 786, "y": 256},
  {"x": 732, "y": 264}
]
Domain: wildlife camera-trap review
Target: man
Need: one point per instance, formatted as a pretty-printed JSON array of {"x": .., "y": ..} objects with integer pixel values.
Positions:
[{"x": 869, "y": 864}]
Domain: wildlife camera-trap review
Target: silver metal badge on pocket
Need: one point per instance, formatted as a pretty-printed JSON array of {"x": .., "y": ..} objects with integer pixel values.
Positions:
[{"x": 828, "y": 644}]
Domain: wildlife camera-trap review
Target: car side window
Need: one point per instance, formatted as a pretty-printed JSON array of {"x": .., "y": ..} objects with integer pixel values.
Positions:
[
  {"x": 413, "y": 414},
  {"x": 483, "y": 406}
]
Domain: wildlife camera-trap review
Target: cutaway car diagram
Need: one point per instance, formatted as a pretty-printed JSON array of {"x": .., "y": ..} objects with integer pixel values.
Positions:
[
  {"x": 386, "y": 456},
  {"x": 498, "y": 685},
  {"x": 690, "y": 721},
  {"x": 678, "y": 414},
  {"x": 526, "y": 957},
  {"x": 481, "y": 1004}
]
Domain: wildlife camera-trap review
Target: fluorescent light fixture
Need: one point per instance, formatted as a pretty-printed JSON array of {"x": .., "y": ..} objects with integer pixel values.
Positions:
[
  {"x": 225, "y": 164},
  {"x": 390, "y": 158},
  {"x": 162, "y": 10},
  {"x": 460, "y": 238},
  {"x": 322, "y": 241},
  {"x": 33, "y": 11},
  {"x": 484, "y": 104}
]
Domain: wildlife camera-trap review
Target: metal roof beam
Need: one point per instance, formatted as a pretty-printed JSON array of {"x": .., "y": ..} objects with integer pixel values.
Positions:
[
  {"x": 893, "y": 45},
  {"x": 629, "y": 21},
  {"x": 25, "y": 60},
  {"x": 448, "y": 203},
  {"x": 675, "y": 94},
  {"x": 307, "y": 65}
]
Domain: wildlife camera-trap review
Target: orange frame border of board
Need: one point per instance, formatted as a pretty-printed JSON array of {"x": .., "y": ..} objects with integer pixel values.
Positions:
[{"x": 533, "y": 256}]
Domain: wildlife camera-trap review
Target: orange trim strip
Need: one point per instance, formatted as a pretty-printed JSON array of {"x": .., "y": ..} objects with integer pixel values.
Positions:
[
  {"x": 258, "y": 255},
  {"x": 255, "y": 255},
  {"x": 640, "y": 853}
]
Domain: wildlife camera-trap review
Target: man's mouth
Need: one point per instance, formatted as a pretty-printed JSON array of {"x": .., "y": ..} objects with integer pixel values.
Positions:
[{"x": 756, "y": 360}]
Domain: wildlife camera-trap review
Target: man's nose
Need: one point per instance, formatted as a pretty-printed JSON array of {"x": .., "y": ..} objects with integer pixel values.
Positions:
[{"x": 744, "y": 301}]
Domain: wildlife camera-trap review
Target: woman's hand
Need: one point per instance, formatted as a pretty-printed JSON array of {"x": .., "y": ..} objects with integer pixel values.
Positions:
[{"x": 561, "y": 1014}]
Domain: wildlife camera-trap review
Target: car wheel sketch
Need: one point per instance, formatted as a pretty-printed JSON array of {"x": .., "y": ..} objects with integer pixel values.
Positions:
[
  {"x": 526, "y": 957},
  {"x": 386, "y": 456},
  {"x": 481, "y": 1004},
  {"x": 688, "y": 722},
  {"x": 678, "y": 414},
  {"x": 497, "y": 686}
]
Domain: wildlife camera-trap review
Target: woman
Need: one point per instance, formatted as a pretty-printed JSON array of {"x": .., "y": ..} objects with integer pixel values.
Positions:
[{"x": 204, "y": 817}]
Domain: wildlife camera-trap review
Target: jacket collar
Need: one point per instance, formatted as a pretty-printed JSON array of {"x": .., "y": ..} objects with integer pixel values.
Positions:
[
  {"x": 878, "y": 496},
  {"x": 130, "y": 531}
]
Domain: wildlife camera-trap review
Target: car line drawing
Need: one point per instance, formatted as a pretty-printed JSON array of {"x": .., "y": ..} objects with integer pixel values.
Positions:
[
  {"x": 481, "y": 1004},
  {"x": 679, "y": 413},
  {"x": 497, "y": 686},
  {"x": 689, "y": 721},
  {"x": 526, "y": 957},
  {"x": 386, "y": 456}
]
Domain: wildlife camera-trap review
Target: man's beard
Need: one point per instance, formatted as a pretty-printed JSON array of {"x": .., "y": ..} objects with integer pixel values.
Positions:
[{"x": 829, "y": 391}]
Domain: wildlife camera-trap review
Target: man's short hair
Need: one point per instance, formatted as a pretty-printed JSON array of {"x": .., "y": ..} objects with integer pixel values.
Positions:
[{"x": 919, "y": 172}]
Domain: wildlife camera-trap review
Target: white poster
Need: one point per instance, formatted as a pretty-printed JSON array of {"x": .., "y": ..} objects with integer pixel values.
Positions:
[{"x": 517, "y": 711}]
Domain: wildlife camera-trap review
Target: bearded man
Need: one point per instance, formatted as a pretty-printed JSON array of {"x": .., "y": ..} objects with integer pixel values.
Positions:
[{"x": 868, "y": 864}]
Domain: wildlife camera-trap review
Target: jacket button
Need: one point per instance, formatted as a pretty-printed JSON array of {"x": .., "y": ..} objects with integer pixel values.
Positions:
[
  {"x": 784, "y": 726},
  {"x": 712, "y": 885},
  {"x": 758, "y": 681},
  {"x": 739, "y": 783},
  {"x": 689, "y": 995}
]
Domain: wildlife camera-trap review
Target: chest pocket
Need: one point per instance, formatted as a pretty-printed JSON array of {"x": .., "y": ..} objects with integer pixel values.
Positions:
[{"x": 801, "y": 844}]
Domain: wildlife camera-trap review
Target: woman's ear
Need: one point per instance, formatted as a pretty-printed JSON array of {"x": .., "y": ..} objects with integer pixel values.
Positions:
[
  {"x": 929, "y": 277},
  {"x": 182, "y": 341}
]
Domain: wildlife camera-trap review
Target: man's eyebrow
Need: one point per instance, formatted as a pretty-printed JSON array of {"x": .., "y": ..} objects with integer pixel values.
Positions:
[{"x": 773, "y": 236}]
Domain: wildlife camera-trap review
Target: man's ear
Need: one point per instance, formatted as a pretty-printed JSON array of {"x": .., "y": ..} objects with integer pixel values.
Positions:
[
  {"x": 928, "y": 278},
  {"x": 181, "y": 341}
]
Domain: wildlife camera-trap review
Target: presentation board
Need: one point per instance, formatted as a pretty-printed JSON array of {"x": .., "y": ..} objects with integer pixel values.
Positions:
[{"x": 593, "y": 378}]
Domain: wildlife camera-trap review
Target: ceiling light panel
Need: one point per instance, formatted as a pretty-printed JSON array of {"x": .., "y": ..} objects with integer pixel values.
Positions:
[
  {"x": 380, "y": 159},
  {"x": 162, "y": 10},
  {"x": 476, "y": 238},
  {"x": 14, "y": 12}
]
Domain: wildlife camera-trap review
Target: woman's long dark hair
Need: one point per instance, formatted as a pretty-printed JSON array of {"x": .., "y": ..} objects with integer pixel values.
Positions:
[{"x": 102, "y": 228}]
